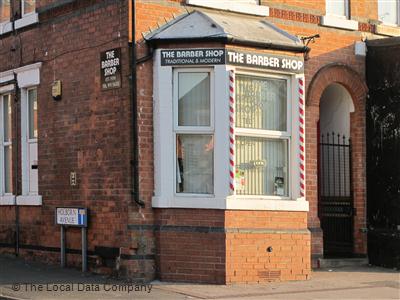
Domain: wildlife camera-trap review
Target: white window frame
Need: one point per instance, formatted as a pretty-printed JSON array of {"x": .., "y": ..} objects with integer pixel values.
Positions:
[
  {"x": 26, "y": 141},
  {"x": 200, "y": 130},
  {"x": 27, "y": 19},
  {"x": 28, "y": 77},
  {"x": 397, "y": 15},
  {"x": 272, "y": 134},
  {"x": 339, "y": 21},
  {"x": 346, "y": 10},
  {"x": 23, "y": 9},
  {"x": 5, "y": 27},
  {"x": 245, "y": 8},
  {"x": 5, "y": 198},
  {"x": 193, "y": 129}
]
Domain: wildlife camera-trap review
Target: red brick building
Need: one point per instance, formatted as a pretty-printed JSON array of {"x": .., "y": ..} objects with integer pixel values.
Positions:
[{"x": 210, "y": 166}]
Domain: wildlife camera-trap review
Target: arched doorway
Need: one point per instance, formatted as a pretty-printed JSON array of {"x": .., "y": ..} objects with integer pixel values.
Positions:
[
  {"x": 332, "y": 82},
  {"x": 335, "y": 189}
]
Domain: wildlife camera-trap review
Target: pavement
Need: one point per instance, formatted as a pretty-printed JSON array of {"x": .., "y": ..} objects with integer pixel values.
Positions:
[{"x": 23, "y": 280}]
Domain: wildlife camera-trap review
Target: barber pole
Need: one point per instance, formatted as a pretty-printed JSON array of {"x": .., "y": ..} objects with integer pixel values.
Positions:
[
  {"x": 302, "y": 136},
  {"x": 232, "y": 131}
]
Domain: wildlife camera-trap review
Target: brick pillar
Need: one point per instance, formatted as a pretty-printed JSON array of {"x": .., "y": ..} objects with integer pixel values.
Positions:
[{"x": 312, "y": 117}]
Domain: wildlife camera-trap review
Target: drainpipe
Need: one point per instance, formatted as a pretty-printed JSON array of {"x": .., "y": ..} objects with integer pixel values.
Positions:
[
  {"x": 135, "y": 138},
  {"x": 15, "y": 143},
  {"x": 16, "y": 100}
]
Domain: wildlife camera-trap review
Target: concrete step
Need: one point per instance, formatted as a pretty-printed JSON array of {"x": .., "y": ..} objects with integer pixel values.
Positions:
[{"x": 329, "y": 263}]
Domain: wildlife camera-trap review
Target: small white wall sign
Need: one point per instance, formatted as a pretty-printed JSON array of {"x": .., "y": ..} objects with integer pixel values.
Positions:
[{"x": 71, "y": 216}]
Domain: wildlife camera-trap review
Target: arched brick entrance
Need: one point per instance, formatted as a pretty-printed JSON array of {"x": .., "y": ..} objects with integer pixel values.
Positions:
[{"x": 355, "y": 85}]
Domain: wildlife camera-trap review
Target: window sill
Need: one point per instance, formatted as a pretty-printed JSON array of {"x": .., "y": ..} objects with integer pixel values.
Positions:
[
  {"x": 5, "y": 28},
  {"x": 27, "y": 20},
  {"x": 336, "y": 22},
  {"x": 261, "y": 203},
  {"x": 388, "y": 30},
  {"x": 7, "y": 200},
  {"x": 232, "y": 203},
  {"x": 246, "y": 8},
  {"x": 189, "y": 202},
  {"x": 31, "y": 200}
]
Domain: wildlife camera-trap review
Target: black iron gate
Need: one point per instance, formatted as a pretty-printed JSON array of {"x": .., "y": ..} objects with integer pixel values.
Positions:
[{"x": 336, "y": 194}]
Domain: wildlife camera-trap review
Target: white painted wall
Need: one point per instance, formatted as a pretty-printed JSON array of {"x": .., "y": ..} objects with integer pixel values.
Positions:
[{"x": 335, "y": 108}]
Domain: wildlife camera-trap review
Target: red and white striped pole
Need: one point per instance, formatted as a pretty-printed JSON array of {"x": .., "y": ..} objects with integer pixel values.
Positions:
[
  {"x": 232, "y": 131},
  {"x": 302, "y": 137}
]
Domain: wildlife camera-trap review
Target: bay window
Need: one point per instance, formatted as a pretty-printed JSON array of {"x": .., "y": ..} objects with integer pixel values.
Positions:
[
  {"x": 262, "y": 135},
  {"x": 194, "y": 140},
  {"x": 192, "y": 145},
  {"x": 5, "y": 11}
]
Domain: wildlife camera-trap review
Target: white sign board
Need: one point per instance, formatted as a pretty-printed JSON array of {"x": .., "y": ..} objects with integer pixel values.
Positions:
[{"x": 71, "y": 216}]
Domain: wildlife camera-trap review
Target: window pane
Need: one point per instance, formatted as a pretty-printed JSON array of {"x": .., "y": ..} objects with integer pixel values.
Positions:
[
  {"x": 194, "y": 99},
  {"x": 7, "y": 118},
  {"x": 387, "y": 11},
  {"x": 7, "y": 169},
  {"x": 32, "y": 101},
  {"x": 336, "y": 7},
  {"x": 261, "y": 103},
  {"x": 4, "y": 11},
  {"x": 29, "y": 6},
  {"x": 195, "y": 163},
  {"x": 261, "y": 166}
]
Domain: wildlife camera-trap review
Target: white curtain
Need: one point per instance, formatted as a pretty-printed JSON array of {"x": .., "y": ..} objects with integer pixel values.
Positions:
[
  {"x": 263, "y": 165},
  {"x": 261, "y": 103},
  {"x": 261, "y": 162}
]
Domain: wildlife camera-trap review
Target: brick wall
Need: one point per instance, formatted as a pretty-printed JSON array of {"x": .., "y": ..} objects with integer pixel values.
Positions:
[
  {"x": 216, "y": 246},
  {"x": 191, "y": 245},
  {"x": 88, "y": 132},
  {"x": 267, "y": 246}
]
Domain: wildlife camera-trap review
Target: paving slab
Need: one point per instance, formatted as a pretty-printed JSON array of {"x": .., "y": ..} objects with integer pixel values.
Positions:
[{"x": 31, "y": 280}]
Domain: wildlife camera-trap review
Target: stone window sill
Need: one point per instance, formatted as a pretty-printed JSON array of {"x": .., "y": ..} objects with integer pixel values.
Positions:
[
  {"x": 25, "y": 21},
  {"x": 5, "y": 28},
  {"x": 337, "y": 22},
  {"x": 7, "y": 200},
  {"x": 30, "y": 200},
  {"x": 387, "y": 30},
  {"x": 233, "y": 203}
]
